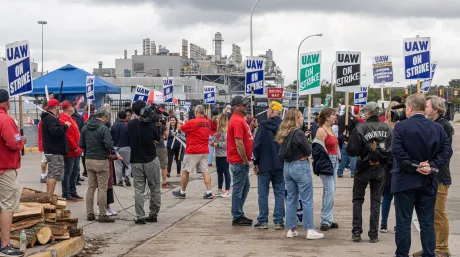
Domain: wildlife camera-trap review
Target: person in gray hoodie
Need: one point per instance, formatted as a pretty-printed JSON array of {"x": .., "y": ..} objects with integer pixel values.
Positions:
[
  {"x": 220, "y": 144},
  {"x": 96, "y": 141}
]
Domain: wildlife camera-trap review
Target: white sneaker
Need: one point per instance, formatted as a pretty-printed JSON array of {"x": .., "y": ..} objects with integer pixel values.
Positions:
[
  {"x": 312, "y": 235},
  {"x": 113, "y": 212},
  {"x": 291, "y": 233},
  {"x": 226, "y": 194}
]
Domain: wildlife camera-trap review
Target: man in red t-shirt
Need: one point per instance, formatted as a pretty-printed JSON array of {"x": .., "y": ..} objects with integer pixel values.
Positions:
[
  {"x": 196, "y": 152},
  {"x": 239, "y": 154}
]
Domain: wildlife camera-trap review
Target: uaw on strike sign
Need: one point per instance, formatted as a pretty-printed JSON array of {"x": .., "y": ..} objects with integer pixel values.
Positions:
[
  {"x": 255, "y": 77},
  {"x": 348, "y": 72},
  {"x": 18, "y": 68},
  {"x": 417, "y": 59},
  {"x": 168, "y": 87},
  {"x": 382, "y": 68}
]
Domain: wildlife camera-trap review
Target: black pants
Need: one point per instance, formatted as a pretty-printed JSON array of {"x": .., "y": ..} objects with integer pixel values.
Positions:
[
  {"x": 375, "y": 177},
  {"x": 174, "y": 154},
  {"x": 423, "y": 200},
  {"x": 84, "y": 165},
  {"x": 223, "y": 172}
]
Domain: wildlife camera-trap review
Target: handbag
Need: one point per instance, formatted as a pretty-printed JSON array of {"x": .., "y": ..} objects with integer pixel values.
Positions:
[{"x": 285, "y": 150}]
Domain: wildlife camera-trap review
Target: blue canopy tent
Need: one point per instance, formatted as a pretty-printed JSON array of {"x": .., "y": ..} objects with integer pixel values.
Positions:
[{"x": 74, "y": 84}]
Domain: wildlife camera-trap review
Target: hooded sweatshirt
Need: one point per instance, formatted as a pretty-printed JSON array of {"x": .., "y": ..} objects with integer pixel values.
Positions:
[
  {"x": 54, "y": 138},
  {"x": 73, "y": 135},
  {"x": 10, "y": 142},
  {"x": 265, "y": 148},
  {"x": 95, "y": 140}
]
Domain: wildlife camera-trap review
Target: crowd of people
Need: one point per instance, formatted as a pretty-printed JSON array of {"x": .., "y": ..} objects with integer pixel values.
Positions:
[{"x": 407, "y": 160}]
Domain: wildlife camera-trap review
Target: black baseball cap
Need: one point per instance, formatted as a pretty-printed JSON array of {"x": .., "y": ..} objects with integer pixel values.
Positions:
[
  {"x": 239, "y": 100},
  {"x": 4, "y": 96}
]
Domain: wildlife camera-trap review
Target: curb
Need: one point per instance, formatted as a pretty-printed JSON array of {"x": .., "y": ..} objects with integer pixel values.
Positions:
[
  {"x": 66, "y": 248},
  {"x": 30, "y": 149}
]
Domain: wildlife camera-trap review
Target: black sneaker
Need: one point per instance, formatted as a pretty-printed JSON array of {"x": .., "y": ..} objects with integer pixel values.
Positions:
[
  {"x": 127, "y": 182},
  {"x": 356, "y": 237},
  {"x": 261, "y": 225},
  {"x": 241, "y": 221},
  {"x": 324, "y": 227},
  {"x": 140, "y": 221},
  {"x": 208, "y": 196},
  {"x": 8, "y": 250},
  {"x": 248, "y": 219},
  {"x": 90, "y": 217},
  {"x": 168, "y": 175},
  {"x": 383, "y": 228},
  {"x": 374, "y": 240},
  {"x": 78, "y": 183},
  {"x": 105, "y": 219},
  {"x": 334, "y": 225},
  {"x": 151, "y": 218},
  {"x": 177, "y": 194},
  {"x": 81, "y": 179},
  {"x": 340, "y": 175},
  {"x": 85, "y": 174},
  {"x": 120, "y": 183},
  {"x": 43, "y": 180},
  {"x": 279, "y": 226}
]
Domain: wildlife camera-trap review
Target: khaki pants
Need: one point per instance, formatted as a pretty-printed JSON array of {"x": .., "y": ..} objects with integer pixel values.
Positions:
[
  {"x": 441, "y": 222},
  {"x": 98, "y": 178}
]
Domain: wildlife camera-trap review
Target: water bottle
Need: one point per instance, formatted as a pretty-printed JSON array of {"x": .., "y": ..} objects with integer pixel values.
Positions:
[{"x": 22, "y": 241}]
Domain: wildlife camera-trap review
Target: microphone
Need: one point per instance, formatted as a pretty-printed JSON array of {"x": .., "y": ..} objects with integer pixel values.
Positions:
[{"x": 408, "y": 164}]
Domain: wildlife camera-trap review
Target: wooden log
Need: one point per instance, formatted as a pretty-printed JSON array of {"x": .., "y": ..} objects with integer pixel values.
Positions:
[
  {"x": 60, "y": 204},
  {"x": 71, "y": 223},
  {"x": 14, "y": 243},
  {"x": 75, "y": 232},
  {"x": 65, "y": 214},
  {"x": 50, "y": 217},
  {"x": 27, "y": 210},
  {"x": 27, "y": 223},
  {"x": 57, "y": 230},
  {"x": 44, "y": 234},
  {"x": 27, "y": 191},
  {"x": 63, "y": 237},
  {"x": 31, "y": 237},
  {"x": 38, "y": 198},
  {"x": 49, "y": 208}
]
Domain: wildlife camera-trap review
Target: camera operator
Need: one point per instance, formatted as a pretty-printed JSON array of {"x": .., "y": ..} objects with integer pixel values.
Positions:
[
  {"x": 417, "y": 141},
  {"x": 435, "y": 111},
  {"x": 145, "y": 166},
  {"x": 371, "y": 142}
]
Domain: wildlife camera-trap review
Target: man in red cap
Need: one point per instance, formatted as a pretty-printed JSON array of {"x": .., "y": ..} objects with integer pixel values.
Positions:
[
  {"x": 55, "y": 144},
  {"x": 356, "y": 113},
  {"x": 11, "y": 144},
  {"x": 71, "y": 160}
]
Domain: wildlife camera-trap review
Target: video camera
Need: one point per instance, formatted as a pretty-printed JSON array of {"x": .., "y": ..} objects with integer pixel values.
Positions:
[
  {"x": 153, "y": 113},
  {"x": 398, "y": 115}
]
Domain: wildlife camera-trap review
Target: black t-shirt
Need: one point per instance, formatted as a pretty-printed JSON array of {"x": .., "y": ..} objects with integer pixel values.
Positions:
[{"x": 143, "y": 136}]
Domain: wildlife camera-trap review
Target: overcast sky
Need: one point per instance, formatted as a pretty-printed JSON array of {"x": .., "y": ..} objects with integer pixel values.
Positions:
[{"x": 83, "y": 32}]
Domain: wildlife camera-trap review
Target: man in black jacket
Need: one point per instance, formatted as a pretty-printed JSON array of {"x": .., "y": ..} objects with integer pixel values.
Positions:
[
  {"x": 435, "y": 110},
  {"x": 55, "y": 145},
  {"x": 268, "y": 166},
  {"x": 346, "y": 159},
  {"x": 371, "y": 142},
  {"x": 96, "y": 141},
  {"x": 143, "y": 135}
]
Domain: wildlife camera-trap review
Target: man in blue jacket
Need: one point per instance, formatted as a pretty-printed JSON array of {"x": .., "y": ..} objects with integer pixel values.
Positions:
[
  {"x": 268, "y": 165},
  {"x": 417, "y": 141}
]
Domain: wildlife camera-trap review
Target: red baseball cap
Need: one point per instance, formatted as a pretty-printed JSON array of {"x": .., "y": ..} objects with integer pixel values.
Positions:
[
  {"x": 66, "y": 104},
  {"x": 53, "y": 103},
  {"x": 356, "y": 109}
]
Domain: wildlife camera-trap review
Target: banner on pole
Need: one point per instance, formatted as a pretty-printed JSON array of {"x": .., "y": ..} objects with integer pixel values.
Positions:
[
  {"x": 348, "y": 70},
  {"x": 18, "y": 68},
  {"x": 427, "y": 82},
  {"x": 168, "y": 88},
  {"x": 417, "y": 58},
  {"x": 142, "y": 93},
  {"x": 361, "y": 97},
  {"x": 209, "y": 94},
  {"x": 90, "y": 87},
  {"x": 255, "y": 75},
  {"x": 310, "y": 73},
  {"x": 275, "y": 93},
  {"x": 382, "y": 68}
]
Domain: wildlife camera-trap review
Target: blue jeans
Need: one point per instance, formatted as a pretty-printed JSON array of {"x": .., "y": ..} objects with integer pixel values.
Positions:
[
  {"x": 423, "y": 200},
  {"x": 297, "y": 176},
  {"x": 241, "y": 186},
  {"x": 71, "y": 172},
  {"x": 222, "y": 172},
  {"x": 386, "y": 204},
  {"x": 263, "y": 187},
  {"x": 329, "y": 186},
  {"x": 346, "y": 159},
  {"x": 211, "y": 149}
]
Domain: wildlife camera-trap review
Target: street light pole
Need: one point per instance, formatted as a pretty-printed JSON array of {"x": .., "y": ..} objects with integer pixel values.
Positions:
[
  {"x": 332, "y": 85},
  {"x": 391, "y": 87},
  {"x": 298, "y": 60},
  {"x": 42, "y": 23},
  {"x": 252, "y": 54}
]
